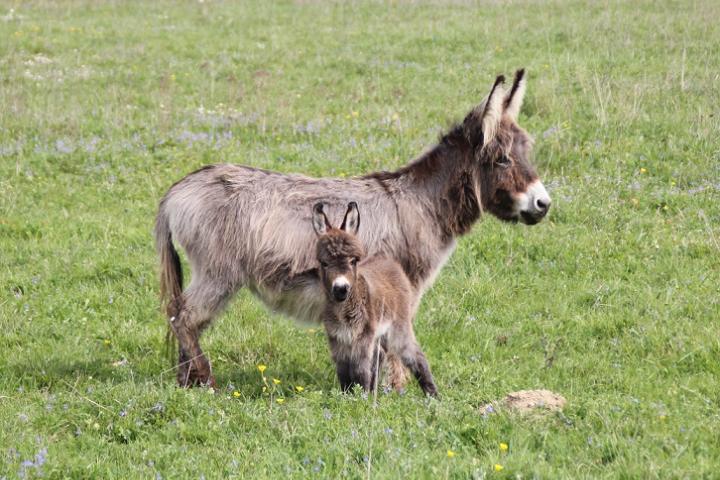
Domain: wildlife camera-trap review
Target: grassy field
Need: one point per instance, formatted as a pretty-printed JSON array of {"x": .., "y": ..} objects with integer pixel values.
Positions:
[{"x": 612, "y": 302}]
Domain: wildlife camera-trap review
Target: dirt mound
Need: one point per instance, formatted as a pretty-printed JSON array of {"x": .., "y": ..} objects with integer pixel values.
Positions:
[{"x": 527, "y": 401}]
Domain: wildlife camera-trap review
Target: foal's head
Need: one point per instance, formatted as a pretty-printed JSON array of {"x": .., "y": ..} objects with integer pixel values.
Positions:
[
  {"x": 509, "y": 185},
  {"x": 338, "y": 251}
]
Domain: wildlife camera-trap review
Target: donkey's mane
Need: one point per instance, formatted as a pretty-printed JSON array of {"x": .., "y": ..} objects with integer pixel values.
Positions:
[
  {"x": 427, "y": 161},
  {"x": 454, "y": 139}
]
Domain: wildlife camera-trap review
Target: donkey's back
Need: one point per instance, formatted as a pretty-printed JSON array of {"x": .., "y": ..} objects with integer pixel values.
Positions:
[{"x": 248, "y": 225}]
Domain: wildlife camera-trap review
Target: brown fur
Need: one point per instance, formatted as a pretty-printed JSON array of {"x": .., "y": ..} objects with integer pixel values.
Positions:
[
  {"x": 374, "y": 319},
  {"x": 243, "y": 226}
]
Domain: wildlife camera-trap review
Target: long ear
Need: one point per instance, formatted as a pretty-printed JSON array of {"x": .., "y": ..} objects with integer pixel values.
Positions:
[
  {"x": 493, "y": 110},
  {"x": 320, "y": 221},
  {"x": 514, "y": 99},
  {"x": 351, "y": 222},
  {"x": 481, "y": 124}
]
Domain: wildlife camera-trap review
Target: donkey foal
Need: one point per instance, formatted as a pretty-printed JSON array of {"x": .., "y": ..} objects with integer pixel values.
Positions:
[{"x": 369, "y": 307}]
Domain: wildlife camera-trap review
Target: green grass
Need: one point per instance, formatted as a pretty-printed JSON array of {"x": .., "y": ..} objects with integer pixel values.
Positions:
[{"x": 612, "y": 302}]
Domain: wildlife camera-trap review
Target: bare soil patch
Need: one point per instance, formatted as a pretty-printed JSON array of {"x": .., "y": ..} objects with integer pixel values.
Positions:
[{"x": 524, "y": 401}]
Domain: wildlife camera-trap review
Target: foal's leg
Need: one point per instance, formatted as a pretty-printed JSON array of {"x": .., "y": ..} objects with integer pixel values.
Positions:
[
  {"x": 362, "y": 364},
  {"x": 414, "y": 359},
  {"x": 341, "y": 356},
  {"x": 202, "y": 301},
  {"x": 376, "y": 364},
  {"x": 344, "y": 375}
]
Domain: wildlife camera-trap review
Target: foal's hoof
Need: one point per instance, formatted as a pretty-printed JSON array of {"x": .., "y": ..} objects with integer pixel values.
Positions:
[
  {"x": 432, "y": 393},
  {"x": 209, "y": 382}
]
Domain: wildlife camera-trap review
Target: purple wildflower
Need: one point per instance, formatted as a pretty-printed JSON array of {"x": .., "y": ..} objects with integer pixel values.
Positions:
[{"x": 63, "y": 147}]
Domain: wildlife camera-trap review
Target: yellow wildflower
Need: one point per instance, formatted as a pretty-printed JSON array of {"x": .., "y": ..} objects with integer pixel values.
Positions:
[
  {"x": 107, "y": 342},
  {"x": 503, "y": 447},
  {"x": 280, "y": 401},
  {"x": 450, "y": 454},
  {"x": 643, "y": 170},
  {"x": 236, "y": 394},
  {"x": 277, "y": 381},
  {"x": 262, "y": 368},
  {"x": 498, "y": 467},
  {"x": 299, "y": 389}
]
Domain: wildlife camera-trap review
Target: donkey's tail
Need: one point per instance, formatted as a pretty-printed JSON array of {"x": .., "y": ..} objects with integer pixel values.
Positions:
[{"x": 171, "y": 276}]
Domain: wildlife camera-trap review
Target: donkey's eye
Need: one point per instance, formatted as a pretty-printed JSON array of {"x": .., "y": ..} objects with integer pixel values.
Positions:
[
  {"x": 354, "y": 261},
  {"x": 323, "y": 264},
  {"x": 503, "y": 162}
]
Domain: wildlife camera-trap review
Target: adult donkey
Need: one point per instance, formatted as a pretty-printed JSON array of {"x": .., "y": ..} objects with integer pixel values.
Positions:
[{"x": 243, "y": 226}]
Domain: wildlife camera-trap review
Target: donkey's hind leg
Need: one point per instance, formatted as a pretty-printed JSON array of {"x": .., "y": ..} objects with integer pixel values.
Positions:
[{"x": 202, "y": 301}]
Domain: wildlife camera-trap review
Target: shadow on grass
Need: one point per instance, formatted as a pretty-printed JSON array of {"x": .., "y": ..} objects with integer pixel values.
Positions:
[
  {"x": 249, "y": 381},
  {"x": 55, "y": 371},
  {"x": 52, "y": 372}
]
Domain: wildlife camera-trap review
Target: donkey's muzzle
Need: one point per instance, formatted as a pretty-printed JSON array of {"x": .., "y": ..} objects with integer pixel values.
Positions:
[
  {"x": 535, "y": 204},
  {"x": 340, "y": 292}
]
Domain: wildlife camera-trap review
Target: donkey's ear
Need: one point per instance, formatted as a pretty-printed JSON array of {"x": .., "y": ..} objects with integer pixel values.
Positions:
[
  {"x": 481, "y": 124},
  {"x": 514, "y": 99},
  {"x": 351, "y": 222},
  {"x": 320, "y": 221}
]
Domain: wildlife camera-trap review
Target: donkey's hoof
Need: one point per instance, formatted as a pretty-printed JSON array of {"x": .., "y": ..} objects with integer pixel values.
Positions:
[{"x": 193, "y": 378}]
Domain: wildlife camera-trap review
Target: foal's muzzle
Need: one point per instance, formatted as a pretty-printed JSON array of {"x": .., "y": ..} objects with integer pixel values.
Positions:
[
  {"x": 340, "y": 288},
  {"x": 340, "y": 292}
]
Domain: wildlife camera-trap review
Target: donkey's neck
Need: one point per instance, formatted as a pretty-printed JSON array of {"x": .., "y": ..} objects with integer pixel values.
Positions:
[
  {"x": 444, "y": 179},
  {"x": 437, "y": 198}
]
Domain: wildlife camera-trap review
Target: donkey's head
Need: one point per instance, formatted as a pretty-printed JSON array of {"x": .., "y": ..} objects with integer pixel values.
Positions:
[
  {"x": 509, "y": 185},
  {"x": 338, "y": 251}
]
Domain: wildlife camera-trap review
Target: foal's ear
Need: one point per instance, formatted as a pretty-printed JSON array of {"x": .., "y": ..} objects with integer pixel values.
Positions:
[
  {"x": 351, "y": 222},
  {"x": 320, "y": 221},
  {"x": 481, "y": 124},
  {"x": 514, "y": 99}
]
